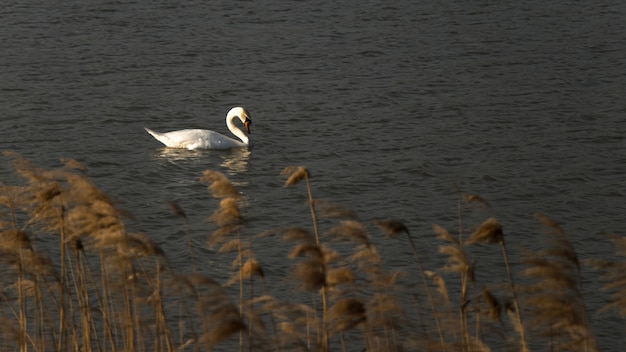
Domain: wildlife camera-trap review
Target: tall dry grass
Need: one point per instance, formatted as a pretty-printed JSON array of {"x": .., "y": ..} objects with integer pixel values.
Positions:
[{"x": 75, "y": 279}]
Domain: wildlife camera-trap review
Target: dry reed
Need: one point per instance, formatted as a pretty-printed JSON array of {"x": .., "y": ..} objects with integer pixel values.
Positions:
[
  {"x": 555, "y": 302},
  {"x": 103, "y": 288}
]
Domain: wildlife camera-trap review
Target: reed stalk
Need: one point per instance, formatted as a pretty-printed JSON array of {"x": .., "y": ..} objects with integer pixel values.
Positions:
[
  {"x": 464, "y": 283},
  {"x": 105, "y": 289},
  {"x": 178, "y": 211},
  {"x": 393, "y": 229},
  {"x": 490, "y": 232},
  {"x": 296, "y": 174},
  {"x": 228, "y": 218}
]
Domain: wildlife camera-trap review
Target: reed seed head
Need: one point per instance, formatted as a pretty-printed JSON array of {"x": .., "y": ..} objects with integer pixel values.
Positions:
[
  {"x": 561, "y": 247},
  {"x": 74, "y": 164},
  {"x": 494, "y": 306},
  {"x": 457, "y": 261},
  {"x": 143, "y": 245},
  {"x": 295, "y": 174},
  {"x": 337, "y": 276},
  {"x": 14, "y": 241},
  {"x": 309, "y": 249},
  {"x": 349, "y": 306},
  {"x": 221, "y": 234},
  {"x": 177, "y": 209},
  {"x": 329, "y": 209},
  {"x": 347, "y": 313},
  {"x": 444, "y": 234},
  {"x": 252, "y": 267},
  {"x": 351, "y": 230},
  {"x": 614, "y": 277},
  {"x": 295, "y": 233},
  {"x": 225, "y": 329},
  {"x": 548, "y": 222},
  {"x": 220, "y": 186},
  {"x": 488, "y": 232},
  {"x": 49, "y": 192},
  {"x": 366, "y": 254},
  {"x": 440, "y": 282},
  {"x": 312, "y": 274},
  {"x": 227, "y": 213},
  {"x": 392, "y": 228},
  {"x": 555, "y": 301},
  {"x": 230, "y": 246},
  {"x": 329, "y": 255},
  {"x": 474, "y": 198}
]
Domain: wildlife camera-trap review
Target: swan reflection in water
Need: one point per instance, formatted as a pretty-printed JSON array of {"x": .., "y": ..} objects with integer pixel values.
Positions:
[{"x": 233, "y": 161}]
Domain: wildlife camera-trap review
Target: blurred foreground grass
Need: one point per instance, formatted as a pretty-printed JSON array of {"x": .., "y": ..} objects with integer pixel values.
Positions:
[{"x": 104, "y": 288}]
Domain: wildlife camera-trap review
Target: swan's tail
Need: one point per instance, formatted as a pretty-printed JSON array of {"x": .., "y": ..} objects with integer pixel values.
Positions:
[{"x": 158, "y": 136}]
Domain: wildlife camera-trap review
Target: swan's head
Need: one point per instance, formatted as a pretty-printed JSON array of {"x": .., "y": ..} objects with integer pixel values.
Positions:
[{"x": 243, "y": 115}]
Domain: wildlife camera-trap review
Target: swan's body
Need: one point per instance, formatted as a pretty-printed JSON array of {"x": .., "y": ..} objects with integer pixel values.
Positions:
[{"x": 205, "y": 139}]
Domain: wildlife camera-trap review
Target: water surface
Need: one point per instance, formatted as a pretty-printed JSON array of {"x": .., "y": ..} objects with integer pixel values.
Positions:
[{"x": 390, "y": 105}]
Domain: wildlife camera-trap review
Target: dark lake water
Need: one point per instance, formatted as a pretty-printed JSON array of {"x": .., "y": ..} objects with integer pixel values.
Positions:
[{"x": 389, "y": 104}]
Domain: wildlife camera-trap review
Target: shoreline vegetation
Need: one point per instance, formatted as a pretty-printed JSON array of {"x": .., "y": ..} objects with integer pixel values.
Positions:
[{"x": 108, "y": 289}]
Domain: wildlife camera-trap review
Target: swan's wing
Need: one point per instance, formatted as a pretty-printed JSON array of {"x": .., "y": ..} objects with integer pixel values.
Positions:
[{"x": 195, "y": 139}]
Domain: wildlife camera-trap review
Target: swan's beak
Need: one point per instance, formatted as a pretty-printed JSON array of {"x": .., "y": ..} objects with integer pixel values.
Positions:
[{"x": 247, "y": 123}]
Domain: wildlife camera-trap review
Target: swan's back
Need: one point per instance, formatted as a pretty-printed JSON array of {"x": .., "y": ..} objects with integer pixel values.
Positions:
[{"x": 195, "y": 139}]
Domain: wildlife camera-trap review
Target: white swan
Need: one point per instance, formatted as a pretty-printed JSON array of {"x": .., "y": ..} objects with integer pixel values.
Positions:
[{"x": 205, "y": 139}]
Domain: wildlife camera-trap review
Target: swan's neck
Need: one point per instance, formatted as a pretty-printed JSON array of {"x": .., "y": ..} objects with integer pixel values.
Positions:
[{"x": 234, "y": 129}]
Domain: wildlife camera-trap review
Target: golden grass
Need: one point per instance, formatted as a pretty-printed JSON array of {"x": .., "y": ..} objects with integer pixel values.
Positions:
[{"x": 107, "y": 289}]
